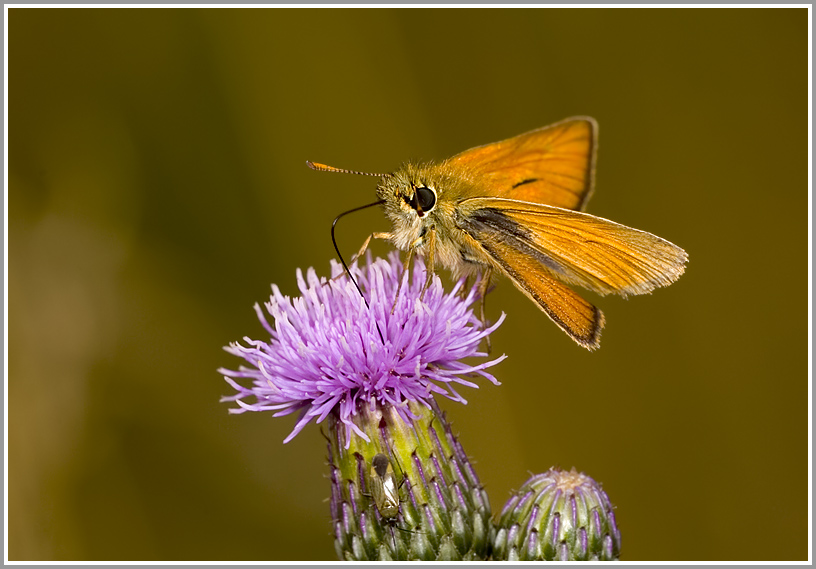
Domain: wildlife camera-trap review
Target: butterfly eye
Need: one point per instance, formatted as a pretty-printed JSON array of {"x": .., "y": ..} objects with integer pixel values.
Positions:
[{"x": 425, "y": 198}]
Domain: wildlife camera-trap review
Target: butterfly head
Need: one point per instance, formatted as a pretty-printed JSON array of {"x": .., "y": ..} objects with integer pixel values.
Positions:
[{"x": 410, "y": 192}]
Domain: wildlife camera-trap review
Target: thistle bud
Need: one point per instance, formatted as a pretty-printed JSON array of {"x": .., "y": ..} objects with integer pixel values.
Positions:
[{"x": 558, "y": 516}]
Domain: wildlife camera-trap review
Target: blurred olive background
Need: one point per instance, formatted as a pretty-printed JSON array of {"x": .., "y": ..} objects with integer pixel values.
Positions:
[{"x": 157, "y": 186}]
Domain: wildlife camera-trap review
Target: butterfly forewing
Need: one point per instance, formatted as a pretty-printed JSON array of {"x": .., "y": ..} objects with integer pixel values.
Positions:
[
  {"x": 552, "y": 165},
  {"x": 578, "y": 248}
]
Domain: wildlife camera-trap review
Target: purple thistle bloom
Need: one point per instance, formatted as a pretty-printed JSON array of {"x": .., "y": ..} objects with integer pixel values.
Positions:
[{"x": 326, "y": 351}]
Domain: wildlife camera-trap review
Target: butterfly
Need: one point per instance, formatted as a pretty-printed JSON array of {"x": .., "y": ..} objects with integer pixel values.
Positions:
[{"x": 515, "y": 208}]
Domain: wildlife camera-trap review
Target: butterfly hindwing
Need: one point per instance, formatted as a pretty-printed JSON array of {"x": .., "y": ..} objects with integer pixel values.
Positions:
[{"x": 581, "y": 320}]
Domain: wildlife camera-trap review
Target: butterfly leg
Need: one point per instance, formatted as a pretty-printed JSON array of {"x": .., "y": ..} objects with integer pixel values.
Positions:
[
  {"x": 364, "y": 248},
  {"x": 429, "y": 261},
  {"x": 466, "y": 286},
  {"x": 375, "y": 235},
  {"x": 405, "y": 267},
  {"x": 484, "y": 282},
  {"x": 430, "y": 239}
]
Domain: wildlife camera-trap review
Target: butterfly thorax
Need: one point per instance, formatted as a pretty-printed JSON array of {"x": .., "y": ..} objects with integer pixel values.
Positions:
[{"x": 420, "y": 199}]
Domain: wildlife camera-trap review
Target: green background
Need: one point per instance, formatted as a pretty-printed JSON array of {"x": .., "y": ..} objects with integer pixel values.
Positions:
[{"x": 157, "y": 186}]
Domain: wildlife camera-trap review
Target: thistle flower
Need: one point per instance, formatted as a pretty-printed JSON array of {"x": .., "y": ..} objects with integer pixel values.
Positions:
[
  {"x": 558, "y": 515},
  {"x": 330, "y": 353},
  {"x": 402, "y": 486}
]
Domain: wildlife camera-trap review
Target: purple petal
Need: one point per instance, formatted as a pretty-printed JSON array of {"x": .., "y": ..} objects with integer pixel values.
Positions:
[{"x": 325, "y": 352}]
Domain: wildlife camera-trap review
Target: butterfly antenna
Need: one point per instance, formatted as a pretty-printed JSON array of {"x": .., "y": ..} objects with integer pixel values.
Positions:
[{"x": 324, "y": 168}]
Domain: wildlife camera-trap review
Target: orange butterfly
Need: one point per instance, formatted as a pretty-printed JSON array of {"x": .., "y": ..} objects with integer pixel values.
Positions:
[{"x": 514, "y": 207}]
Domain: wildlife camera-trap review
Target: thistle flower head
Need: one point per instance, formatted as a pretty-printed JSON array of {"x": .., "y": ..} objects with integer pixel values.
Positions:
[{"x": 329, "y": 351}]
